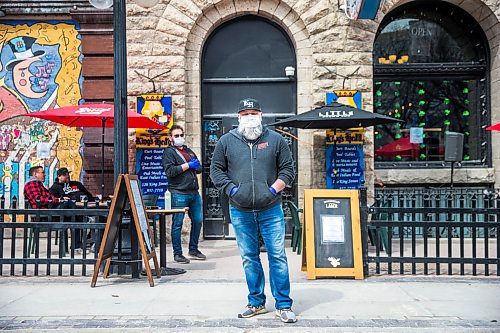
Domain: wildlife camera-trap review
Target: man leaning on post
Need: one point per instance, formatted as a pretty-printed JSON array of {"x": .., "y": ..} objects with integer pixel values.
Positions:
[{"x": 252, "y": 165}]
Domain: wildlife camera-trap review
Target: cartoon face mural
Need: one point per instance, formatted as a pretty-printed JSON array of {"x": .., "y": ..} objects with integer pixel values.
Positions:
[{"x": 40, "y": 68}]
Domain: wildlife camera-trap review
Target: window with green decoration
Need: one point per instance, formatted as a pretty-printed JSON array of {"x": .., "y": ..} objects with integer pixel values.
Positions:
[{"x": 430, "y": 70}]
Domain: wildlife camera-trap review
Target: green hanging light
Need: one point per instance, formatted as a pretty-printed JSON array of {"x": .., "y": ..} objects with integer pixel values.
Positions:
[
  {"x": 446, "y": 101},
  {"x": 421, "y": 113},
  {"x": 421, "y": 92},
  {"x": 447, "y": 112},
  {"x": 398, "y": 158},
  {"x": 447, "y": 122},
  {"x": 466, "y": 113},
  {"x": 421, "y": 103},
  {"x": 379, "y": 93}
]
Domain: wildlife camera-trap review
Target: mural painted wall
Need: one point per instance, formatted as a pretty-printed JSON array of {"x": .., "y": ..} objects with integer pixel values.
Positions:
[{"x": 40, "y": 69}]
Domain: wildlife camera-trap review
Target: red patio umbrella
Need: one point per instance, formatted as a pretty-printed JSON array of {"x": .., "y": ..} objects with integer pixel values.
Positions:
[
  {"x": 401, "y": 147},
  {"x": 94, "y": 115},
  {"x": 495, "y": 127}
]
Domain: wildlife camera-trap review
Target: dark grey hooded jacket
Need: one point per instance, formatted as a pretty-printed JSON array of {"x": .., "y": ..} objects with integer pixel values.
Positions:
[{"x": 252, "y": 167}]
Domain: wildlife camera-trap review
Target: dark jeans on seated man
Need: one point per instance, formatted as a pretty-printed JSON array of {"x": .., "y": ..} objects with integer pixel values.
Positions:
[{"x": 69, "y": 204}]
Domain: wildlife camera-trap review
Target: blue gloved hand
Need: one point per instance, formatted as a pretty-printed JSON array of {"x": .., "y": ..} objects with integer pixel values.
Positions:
[
  {"x": 273, "y": 191},
  {"x": 194, "y": 163},
  {"x": 233, "y": 191}
]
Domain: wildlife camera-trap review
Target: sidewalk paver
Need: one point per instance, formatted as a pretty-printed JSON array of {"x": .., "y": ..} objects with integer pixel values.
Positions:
[{"x": 211, "y": 293}]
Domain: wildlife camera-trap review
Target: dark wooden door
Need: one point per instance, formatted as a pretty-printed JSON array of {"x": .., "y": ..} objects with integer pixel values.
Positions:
[{"x": 243, "y": 58}]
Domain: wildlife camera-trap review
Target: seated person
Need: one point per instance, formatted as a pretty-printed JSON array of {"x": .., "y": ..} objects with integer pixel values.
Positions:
[
  {"x": 65, "y": 187},
  {"x": 35, "y": 190}
]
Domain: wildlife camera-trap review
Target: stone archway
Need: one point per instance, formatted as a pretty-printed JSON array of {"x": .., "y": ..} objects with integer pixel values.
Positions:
[{"x": 280, "y": 13}]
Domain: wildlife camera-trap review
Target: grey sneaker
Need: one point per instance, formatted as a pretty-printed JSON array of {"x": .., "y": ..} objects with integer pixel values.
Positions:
[
  {"x": 181, "y": 259},
  {"x": 286, "y": 315},
  {"x": 250, "y": 311},
  {"x": 197, "y": 255}
]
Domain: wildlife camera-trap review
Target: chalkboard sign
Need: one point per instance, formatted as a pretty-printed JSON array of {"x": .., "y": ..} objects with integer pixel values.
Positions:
[
  {"x": 127, "y": 187},
  {"x": 344, "y": 166},
  {"x": 332, "y": 241},
  {"x": 141, "y": 213}
]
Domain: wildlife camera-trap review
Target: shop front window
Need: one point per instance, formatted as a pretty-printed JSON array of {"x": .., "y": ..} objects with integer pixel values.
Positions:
[{"x": 430, "y": 70}]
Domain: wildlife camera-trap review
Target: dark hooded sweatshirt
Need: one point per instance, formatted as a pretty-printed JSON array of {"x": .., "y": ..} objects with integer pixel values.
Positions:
[
  {"x": 183, "y": 182},
  {"x": 252, "y": 167}
]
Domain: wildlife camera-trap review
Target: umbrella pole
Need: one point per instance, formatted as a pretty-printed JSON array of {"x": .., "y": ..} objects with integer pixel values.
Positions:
[{"x": 102, "y": 157}]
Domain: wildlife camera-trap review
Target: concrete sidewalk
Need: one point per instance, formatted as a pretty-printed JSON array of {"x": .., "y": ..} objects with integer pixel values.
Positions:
[{"x": 209, "y": 295}]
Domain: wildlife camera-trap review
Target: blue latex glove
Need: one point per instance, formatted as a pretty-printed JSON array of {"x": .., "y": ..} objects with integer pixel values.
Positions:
[
  {"x": 194, "y": 163},
  {"x": 273, "y": 191},
  {"x": 233, "y": 191}
]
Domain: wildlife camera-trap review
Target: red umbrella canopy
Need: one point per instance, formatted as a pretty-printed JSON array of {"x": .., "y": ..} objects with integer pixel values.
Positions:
[
  {"x": 495, "y": 127},
  {"x": 401, "y": 147},
  {"x": 93, "y": 115}
]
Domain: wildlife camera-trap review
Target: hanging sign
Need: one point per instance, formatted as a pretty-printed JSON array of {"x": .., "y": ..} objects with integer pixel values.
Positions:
[
  {"x": 159, "y": 108},
  {"x": 344, "y": 148},
  {"x": 344, "y": 159},
  {"x": 150, "y": 144}
]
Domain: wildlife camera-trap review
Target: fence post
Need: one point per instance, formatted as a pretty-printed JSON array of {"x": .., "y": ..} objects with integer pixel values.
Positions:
[{"x": 363, "y": 203}]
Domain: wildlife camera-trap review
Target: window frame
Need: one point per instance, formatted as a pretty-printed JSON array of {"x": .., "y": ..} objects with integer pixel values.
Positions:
[{"x": 440, "y": 71}]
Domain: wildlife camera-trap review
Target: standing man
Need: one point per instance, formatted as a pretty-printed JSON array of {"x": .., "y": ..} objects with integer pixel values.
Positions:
[
  {"x": 252, "y": 165},
  {"x": 181, "y": 166}
]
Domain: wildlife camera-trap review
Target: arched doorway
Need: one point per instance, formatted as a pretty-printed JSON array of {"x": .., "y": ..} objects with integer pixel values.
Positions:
[
  {"x": 431, "y": 69},
  {"x": 245, "y": 57}
]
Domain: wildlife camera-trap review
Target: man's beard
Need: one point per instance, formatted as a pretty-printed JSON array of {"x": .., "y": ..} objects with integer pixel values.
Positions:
[{"x": 250, "y": 133}]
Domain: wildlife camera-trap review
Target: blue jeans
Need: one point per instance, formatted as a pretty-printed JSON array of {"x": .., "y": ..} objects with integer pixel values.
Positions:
[
  {"x": 193, "y": 201},
  {"x": 271, "y": 224}
]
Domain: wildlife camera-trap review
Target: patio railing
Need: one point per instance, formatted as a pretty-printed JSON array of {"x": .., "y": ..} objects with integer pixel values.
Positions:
[
  {"x": 431, "y": 231},
  {"x": 39, "y": 241}
]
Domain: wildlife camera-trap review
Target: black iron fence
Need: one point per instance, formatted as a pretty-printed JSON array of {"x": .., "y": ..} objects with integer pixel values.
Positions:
[
  {"x": 433, "y": 231},
  {"x": 43, "y": 241}
]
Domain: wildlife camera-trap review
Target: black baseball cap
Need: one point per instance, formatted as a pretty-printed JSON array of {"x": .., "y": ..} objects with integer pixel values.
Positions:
[
  {"x": 249, "y": 104},
  {"x": 62, "y": 171}
]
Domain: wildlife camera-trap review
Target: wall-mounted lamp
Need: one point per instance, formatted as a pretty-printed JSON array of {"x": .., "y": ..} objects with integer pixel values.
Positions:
[{"x": 290, "y": 71}]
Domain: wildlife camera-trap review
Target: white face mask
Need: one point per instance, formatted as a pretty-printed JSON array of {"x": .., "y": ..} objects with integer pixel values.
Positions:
[
  {"x": 179, "y": 142},
  {"x": 250, "y": 120}
]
